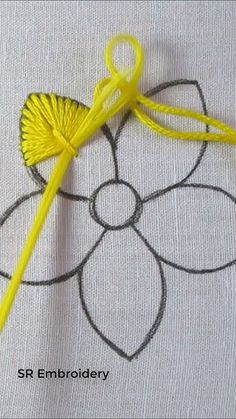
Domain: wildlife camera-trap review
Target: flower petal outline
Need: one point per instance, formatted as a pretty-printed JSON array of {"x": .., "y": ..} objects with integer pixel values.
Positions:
[
  {"x": 166, "y": 260},
  {"x": 154, "y": 326}
]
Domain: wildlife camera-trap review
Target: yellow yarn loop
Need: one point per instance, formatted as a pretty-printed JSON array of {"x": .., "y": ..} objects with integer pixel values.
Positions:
[{"x": 52, "y": 125}]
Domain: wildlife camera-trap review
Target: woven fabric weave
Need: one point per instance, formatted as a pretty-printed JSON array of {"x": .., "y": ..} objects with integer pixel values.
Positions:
[{"x": 174, "y": 270}]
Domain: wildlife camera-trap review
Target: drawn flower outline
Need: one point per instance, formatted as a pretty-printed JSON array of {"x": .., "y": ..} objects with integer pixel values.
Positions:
[{"x": 132, "y": 222}]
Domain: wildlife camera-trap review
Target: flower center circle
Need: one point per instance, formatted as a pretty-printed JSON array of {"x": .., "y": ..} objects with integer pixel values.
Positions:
[{"x": 115, "y": 205}]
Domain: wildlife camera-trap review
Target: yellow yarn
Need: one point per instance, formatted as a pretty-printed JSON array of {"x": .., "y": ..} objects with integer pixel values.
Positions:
[
  {"x": 228, "y": 135},
  {"x": 53, "y": 125}
]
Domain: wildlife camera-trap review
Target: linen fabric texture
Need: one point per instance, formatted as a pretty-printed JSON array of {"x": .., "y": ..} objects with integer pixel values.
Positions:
[{"x": 134, "y": 271}]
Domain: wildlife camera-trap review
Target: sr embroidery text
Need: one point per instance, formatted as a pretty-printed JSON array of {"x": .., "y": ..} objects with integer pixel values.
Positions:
[{"x": 61, "y": 374}]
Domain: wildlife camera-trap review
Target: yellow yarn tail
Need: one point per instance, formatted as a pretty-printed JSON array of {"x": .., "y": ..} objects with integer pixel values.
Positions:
[
  {"x": 53, "y": 125},
  {"x": 47, "y": 199},
  {"x": 228, "y": 134}
]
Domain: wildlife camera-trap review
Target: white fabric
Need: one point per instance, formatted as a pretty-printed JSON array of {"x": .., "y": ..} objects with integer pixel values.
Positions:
[{"x": 188, "y": 368}]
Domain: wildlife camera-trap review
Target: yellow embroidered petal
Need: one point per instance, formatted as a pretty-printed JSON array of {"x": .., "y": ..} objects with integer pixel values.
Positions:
[{"x": 48, "y": 123}]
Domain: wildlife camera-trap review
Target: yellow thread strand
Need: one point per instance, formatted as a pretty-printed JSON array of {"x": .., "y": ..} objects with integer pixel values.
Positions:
[
  {"x": 46, "y": 201},
  {"x": 177, "y": 135},
  {"x": 52, "y": 125},
  {"x": 228, "y": 136}
]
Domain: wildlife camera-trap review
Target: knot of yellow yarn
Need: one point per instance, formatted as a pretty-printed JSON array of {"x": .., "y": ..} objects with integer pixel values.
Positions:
[
  {"x": 114, "y": 93},
  {"x": 66, "y": 144}
]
